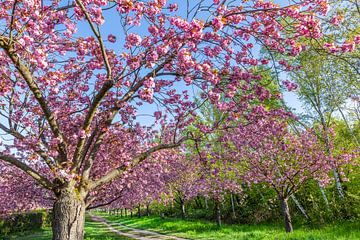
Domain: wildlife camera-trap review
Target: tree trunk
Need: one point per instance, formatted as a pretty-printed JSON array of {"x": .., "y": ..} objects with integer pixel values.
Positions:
[
  {"x": 198, "y": 202},
  {"x": 147, "y": 210},
  {"x": 232, "y": 206},
  {"x": 338, "y": 184},
  {"x": 329, "y": 152},
  {"x": 286, "y": 214},
  {"x": 183, "y": 212},
  {"x": 300, "y": 207},
  {"x": 349, "y": 128},
  {"x": 323, "y": 194},
  {"x": 218, "y": 212},
  {"x": 68, "y": 216},
  {"x": 206, "y": 203},
  {"x": 139, "y": 211}
]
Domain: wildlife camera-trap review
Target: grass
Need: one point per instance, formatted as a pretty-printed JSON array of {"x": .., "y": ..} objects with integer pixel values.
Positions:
[
  {"x": 195, "y": 229},
  {"x": 93, "y": 231}
]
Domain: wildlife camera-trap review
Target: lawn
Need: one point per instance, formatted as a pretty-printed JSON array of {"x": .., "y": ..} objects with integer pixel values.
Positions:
[
  {"x": 196, "y": 229},
  {"x": 206, "y": 230},
  {"x": 93, "y": 231}
]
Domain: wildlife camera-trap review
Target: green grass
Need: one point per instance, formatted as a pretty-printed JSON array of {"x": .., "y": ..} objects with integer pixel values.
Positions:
[
  {"x": 93, "y": 231},
  {"x": 195, "y": 229}
]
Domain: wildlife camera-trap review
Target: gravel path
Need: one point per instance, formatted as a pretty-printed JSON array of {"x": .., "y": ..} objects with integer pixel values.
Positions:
[{"x": 133, "y": 232}]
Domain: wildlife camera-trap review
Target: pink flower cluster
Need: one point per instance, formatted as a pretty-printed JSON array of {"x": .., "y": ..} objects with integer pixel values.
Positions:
[
  {"x": 132, "y": 40},
  {"x": 290, "y": 86}
]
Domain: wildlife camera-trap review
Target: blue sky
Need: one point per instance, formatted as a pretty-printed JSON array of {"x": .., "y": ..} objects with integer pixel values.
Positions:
[{"x": 112, "y": 26}]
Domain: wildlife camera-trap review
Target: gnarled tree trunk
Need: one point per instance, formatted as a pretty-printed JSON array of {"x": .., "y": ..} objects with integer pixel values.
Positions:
[
  {"x": 68, "y": 216},
  {"x": 286, "y": 214}
]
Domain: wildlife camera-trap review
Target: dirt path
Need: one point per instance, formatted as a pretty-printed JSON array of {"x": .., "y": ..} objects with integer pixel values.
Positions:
[{"x": 133, "y": 232}]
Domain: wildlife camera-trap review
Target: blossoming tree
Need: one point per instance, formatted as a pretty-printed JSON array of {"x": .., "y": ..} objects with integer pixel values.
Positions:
[
  {"x": 268, "y": 153},
  {"x": 70, "y": 90}
]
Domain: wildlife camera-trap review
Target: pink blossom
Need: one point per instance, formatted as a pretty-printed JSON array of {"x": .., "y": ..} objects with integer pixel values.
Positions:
[
  {"x": 218, "y": 23},
  {"x": 111, "y": 38},
  {"x": 132, "y": 40}
]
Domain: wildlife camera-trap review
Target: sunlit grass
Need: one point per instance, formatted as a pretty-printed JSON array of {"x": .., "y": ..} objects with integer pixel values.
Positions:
[{"x": 196, "y": 229}]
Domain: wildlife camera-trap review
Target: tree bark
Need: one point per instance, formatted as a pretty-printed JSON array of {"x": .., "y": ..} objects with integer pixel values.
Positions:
[
  {"x": 198, "y": 202},
  {"x": 218, "y": 212},
  {"x": 139, "y": 211},
  {"x": 286, "y": 214},
  {"x": 329, "y": 152},
  {"x": 183, "y": 212},
  {"x": 349, "y": 128},
  {"x": 147, "y": 210},
  {"x": 300, "y": 207},
  {"x": 232, "y": 206},
  {"x": 68, "y": 216}
]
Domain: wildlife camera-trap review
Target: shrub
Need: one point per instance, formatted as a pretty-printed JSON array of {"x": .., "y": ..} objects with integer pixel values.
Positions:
[{"x": 24, "y": 222}]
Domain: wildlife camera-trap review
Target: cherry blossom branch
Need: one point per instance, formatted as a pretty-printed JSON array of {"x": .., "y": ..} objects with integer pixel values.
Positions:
[
  {"x": 261, "y": 10},
  {"x": 135, "y": 161},
  {"x": 12, "y": 21},
  {"x": 26, "y": 74},
  {"x": 11, "y": 131},
  {"x": 19, "y": 136},
  {"x": 139, "y": 84},
  {"x": 104, "y": 204},
  {"x": 100, "y": 95},
  {"x": 65, "y": 7},
  {"x": 125, "y": 98},
  {"x": 30, "y": 171}
]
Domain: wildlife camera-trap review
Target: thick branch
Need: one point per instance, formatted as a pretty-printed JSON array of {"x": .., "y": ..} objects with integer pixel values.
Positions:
[
  {"x": 106, "y": 203},
  {"x": 125, "y": 98},
  {"x": 31, "y": 172},
  {"x": 18, "y": 135},
  {"x": 26, "y": 74},
  {"x": 90, "y": 161},
  {"x": 100, "y": 95}
]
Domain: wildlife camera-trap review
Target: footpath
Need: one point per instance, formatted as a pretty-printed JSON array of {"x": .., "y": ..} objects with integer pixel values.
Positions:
[{"x": 126, "y": 231}]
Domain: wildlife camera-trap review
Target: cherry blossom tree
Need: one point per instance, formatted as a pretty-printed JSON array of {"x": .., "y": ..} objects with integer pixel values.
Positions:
[
  {"x": 148, "y": 181},
  {"x": 268, "y": 153},
  {"x": 71, "y": 90},
  {"x": 187, "y": 183}
]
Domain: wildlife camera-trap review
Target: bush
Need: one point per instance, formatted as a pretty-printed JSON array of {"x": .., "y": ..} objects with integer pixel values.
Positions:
[{"x": 24, "y": 222}]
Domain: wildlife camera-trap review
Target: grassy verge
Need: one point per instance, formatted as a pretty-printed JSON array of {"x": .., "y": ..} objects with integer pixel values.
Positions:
[
  {"x": 195, "y": 229},
  {"x": 93, "y": 231}
]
